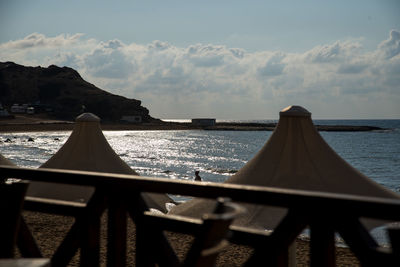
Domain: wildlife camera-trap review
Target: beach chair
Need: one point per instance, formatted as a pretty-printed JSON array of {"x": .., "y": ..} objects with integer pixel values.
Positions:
[
  {"x": 210, "y": 235},
  {"x": 11, "y": 201}
]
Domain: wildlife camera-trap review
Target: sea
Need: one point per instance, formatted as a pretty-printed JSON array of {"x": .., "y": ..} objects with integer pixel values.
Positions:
[{"x": 218, "y": 154}]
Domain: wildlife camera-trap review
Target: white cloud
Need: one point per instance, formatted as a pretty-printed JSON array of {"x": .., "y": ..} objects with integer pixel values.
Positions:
[
  {"x": 391, "y": 47},
  {"x": 330, "y": 80}
]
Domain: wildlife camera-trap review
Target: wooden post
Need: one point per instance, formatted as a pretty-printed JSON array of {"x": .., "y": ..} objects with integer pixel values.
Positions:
[
  {"x": 90, "y": 244},
  {"x": 117, "y": 231},
  {"x": 394, "y": 235},
  {"x": 11, "y": 201},
  {"x": 322, "y": 244},
  {"x": 90, "y": 229}
]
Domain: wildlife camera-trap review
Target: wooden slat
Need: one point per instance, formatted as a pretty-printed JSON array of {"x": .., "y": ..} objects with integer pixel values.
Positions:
[
  {"x": 53, "y": 206},
  {"x": 11, "y": 201},
  {"x": 322, "y": 244},
  {"x": 90, "y": 229},
  {"x": 117, "y": 231}
]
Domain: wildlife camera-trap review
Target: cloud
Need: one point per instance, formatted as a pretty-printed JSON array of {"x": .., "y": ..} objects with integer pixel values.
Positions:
[
  {"x": 273, "y": 66},
  {"x": 108, "y": 60},
  {"x": 40, "y": 40},
  {"x": 391, "y": 47},
  {"x": 214, "y": 80},
  {"x": 352, "y": 68},
  {"x": 331, "y": 53}
]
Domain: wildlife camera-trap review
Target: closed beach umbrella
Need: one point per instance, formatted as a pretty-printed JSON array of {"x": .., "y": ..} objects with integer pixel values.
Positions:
[
  {"x": 294, "y": 157},
  {"x": 87, "y": 150}
]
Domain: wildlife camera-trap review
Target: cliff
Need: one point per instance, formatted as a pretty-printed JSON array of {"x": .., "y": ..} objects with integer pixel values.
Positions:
[{"x": 63, "y": 93}]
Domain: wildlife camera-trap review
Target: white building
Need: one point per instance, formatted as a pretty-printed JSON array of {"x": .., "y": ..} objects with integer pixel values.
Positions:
[{"x": 18, "y": 108}]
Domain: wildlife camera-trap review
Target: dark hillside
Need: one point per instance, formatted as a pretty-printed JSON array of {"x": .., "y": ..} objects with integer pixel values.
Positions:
[{"x": 63, "y": 93}]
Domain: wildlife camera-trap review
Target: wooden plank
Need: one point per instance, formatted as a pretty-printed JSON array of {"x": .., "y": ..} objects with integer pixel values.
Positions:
[
  {"x": 53, "y": 206},
  {"x": 11, "y": 201},
  {"x": 394, "y": 235},
  {"x": 322, "y": 244},
  {"x": 90, "y": 241},
  {"x": 117, "y": 231},
  {"x": 361, "y": 242},
  {"x": 24, "y": 262},
  {"x": 90, "y": 229},
  {"x": 84, "y": 232}
]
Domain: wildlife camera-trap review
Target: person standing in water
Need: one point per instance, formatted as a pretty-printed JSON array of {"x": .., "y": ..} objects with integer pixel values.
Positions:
[{"x": 197, "y": 176}]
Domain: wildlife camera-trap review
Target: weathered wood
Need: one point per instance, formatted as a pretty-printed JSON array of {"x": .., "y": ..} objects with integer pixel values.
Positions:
[
  {"x": 394, "y": 235},
  {"x": 143, "y": 244},
  {"x": 90, "y": 229},
  {"x": 24, "y": 262},
  {"x": 117, "y": 231},
  {"x": 11, "y": 201},
  {"x": 53, "y": 206},
  {"x": 84, "y": 233},
  {"x": 211, "y": 239},
  {"x": 362, "y": 243},
  {"x": 322, "y": 244},
  {"x": 90, "y": 242}
]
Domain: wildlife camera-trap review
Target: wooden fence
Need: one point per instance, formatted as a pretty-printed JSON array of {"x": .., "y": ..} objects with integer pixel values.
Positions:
[{"x": 324, "y": 213}]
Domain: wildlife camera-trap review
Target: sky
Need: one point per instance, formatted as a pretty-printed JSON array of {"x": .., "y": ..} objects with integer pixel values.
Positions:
[{"x": 220, "y": 59}]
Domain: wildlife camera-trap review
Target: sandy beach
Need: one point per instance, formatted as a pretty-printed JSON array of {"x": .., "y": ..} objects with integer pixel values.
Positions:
[{"x": 49, "y": 230}]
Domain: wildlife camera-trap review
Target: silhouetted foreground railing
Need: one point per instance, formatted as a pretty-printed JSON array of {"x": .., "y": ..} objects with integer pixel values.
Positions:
[{"x": 324, "y": 213}]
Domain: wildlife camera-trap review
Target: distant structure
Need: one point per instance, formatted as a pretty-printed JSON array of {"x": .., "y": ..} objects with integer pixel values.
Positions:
[
  {"x": 3, "y": 112},
  {"x": 203, "y": 122},
  {"x": 24, "y": 108}
]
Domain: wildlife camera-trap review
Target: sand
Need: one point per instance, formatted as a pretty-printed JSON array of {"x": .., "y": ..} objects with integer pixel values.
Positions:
[{"x": 49, "y": 230}]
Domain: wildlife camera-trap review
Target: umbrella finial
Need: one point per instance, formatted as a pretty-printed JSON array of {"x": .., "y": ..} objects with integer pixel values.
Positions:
[
  {"x": 296, "y": 111},
  {"x": 87, "y": 117}
]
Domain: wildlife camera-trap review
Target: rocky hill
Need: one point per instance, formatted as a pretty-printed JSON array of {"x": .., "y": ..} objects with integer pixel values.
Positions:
[{"x": 63, "y": 93}]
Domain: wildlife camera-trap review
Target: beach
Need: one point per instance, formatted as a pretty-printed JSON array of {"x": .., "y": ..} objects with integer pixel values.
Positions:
[{"x": 49, "y": 230}]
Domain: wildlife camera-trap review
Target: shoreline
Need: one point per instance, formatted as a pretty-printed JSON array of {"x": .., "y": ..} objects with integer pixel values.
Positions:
[{"x": 42, "y": 126}]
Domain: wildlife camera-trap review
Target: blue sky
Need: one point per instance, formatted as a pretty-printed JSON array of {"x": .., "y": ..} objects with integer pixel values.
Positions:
[{"x": 224, "y": 59}]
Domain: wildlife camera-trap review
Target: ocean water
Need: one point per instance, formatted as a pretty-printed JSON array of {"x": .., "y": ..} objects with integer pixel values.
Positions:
[{"x": 219, "y": 154}]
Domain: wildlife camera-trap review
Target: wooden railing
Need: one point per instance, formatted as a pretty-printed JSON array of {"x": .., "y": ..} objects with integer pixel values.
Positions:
[{"x": 324, "y": 213}]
